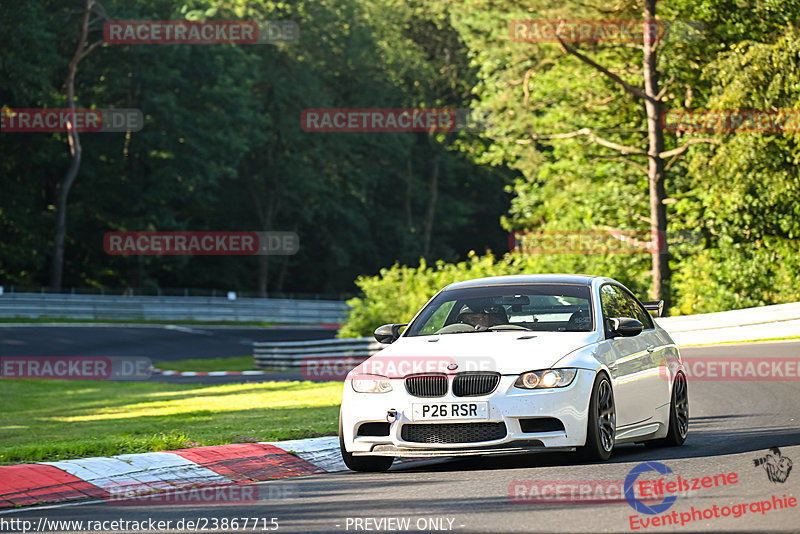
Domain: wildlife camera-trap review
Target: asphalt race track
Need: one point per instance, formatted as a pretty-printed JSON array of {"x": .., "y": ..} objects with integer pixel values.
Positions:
[
  {"x": 732, "y": 424},
  {"x": 159, "y": 343}
]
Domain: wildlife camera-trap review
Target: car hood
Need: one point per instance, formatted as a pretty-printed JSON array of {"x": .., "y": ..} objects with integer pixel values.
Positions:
[{"x": 503, "y": 352}]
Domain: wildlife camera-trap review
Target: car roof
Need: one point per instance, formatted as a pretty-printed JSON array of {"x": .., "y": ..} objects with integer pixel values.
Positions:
[{"x": 574, "y": 279}]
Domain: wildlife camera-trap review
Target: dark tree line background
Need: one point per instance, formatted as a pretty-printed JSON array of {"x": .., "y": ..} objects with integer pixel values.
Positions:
[{"x": 222, "y": 147}]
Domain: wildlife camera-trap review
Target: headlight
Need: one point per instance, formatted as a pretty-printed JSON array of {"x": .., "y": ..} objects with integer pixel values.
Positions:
[
  {"x": 549, "y": 378},
  {"x": 371, "y": 384}
]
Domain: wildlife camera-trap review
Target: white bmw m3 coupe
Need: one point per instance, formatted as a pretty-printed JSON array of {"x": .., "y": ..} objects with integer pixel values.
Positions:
[{"x": 530, "y": 363}]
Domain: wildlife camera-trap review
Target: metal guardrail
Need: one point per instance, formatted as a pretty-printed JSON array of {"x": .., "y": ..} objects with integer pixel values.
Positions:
[
  {"x": 763, "y": 322},
  {"x": 115, "y": 307},
  {"x": 731, "y": 318},
  {"x": 295, "y": 354}
]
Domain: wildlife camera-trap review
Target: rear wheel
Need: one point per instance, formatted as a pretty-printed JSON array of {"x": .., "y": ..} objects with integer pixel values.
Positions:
[
  {"x": 678, "y": 416},
  {"x": 601, "y": 427},
  {"x": 362, "y": 463}
]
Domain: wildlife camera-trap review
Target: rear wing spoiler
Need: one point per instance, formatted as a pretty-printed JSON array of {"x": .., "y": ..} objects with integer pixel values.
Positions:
[{"x": 656, "y": 306}]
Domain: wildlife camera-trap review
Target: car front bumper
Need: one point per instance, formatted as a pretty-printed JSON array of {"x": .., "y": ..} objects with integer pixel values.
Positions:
[{"x": 506, "y": 404}]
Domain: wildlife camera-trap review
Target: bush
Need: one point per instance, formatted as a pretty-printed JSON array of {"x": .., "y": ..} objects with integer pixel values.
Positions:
[
  {"x": 732, "y": 275},
  {"x": 396, "y": 294},
  {"x": 725, "y": 276}
]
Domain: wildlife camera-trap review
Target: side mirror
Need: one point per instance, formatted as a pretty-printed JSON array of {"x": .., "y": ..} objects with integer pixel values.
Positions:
[
  {"x": 388, "y": 333},
  {"x": 625, "y": 327}
]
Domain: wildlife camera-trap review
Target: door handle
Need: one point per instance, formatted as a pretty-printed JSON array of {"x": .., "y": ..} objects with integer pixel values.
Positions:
[{"x": 650, "y": 348}]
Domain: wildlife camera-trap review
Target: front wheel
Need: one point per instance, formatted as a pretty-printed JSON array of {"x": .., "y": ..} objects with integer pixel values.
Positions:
[
  {"x": 369, "y": 464},
  {"x": 601, "y": 427}
]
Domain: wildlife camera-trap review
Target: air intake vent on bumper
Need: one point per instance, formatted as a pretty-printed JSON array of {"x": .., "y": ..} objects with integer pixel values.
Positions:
[
  {"x": 373, "y": 429},
  {"x": 453, "y": 432},
  {"x": 541, "y": 424}
]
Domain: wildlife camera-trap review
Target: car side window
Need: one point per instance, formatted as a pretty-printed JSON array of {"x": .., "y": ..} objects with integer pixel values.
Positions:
[
  {"x": 612, "y": 301},
  {"x": 617, "y": 302},
  {"x": 637, "y": 312}
]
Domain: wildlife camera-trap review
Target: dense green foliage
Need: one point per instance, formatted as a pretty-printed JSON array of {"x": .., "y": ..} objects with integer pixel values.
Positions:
[
  {"x": 736, "y": 198},
  {"x": 222, "y": 148}
]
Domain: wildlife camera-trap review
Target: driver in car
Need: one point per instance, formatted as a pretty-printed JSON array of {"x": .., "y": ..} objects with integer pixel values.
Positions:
[{"x": 483, "y": 317}]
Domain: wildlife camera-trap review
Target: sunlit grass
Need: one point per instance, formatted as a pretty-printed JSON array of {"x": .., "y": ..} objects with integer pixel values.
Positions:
[
  {"x": 228, "y": 398},
  {"x": 44, "y": 420},
  {"x": 235, "y": 363}
]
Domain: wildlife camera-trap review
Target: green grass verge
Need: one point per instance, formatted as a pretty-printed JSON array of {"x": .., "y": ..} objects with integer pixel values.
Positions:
[
  {"x": 46, "y": 420},
  {"x": 25, "y": 320},
  {"x": 236, "y": 363}
]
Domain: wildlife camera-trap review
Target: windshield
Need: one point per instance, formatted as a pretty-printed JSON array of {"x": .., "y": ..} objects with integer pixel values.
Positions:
[{"x": 524, "y": 307}]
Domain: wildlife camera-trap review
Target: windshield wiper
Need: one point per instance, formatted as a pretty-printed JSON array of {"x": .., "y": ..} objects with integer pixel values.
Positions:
[
  {"x": 470, "y": 331},
  {"x": 499, "y": 328}
]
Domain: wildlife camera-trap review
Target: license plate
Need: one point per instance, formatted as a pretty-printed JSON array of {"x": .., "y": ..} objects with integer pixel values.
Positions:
[{"x": 450, "y": 410}]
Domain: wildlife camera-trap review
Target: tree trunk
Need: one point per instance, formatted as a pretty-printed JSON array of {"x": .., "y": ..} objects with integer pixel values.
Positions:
[
  {"x": 75, "y": 150},
  {"x": 286, "y": 260},
  {"x": 409, "y": 193},
  {"x": 655, "y": 166},
  {"x": 430, "y": 213},
  {"x": 266, "y": 214},
  {"x": 655, "y": 152},
  {"x": 263, "y": 272},
  {"x": 57, "y": 265}
]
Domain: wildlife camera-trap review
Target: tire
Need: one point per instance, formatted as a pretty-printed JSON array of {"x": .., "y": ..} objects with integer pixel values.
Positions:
[
  {"x": 601, "y": 427},
  {"x": 678, "y": 416},
  {"x": 368, "y": 464}
]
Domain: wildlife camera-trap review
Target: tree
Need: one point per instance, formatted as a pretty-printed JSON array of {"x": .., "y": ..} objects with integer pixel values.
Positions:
[
  {"x": 651, "y": 97},
  {"x": 83, "y": 49},
  {"x": 572, "y": 121}
]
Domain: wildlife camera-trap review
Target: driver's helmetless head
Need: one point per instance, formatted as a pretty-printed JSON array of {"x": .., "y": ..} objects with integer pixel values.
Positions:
[
  {"x": 484, "y": 316},
  {"x": 472, "y": 317}
]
